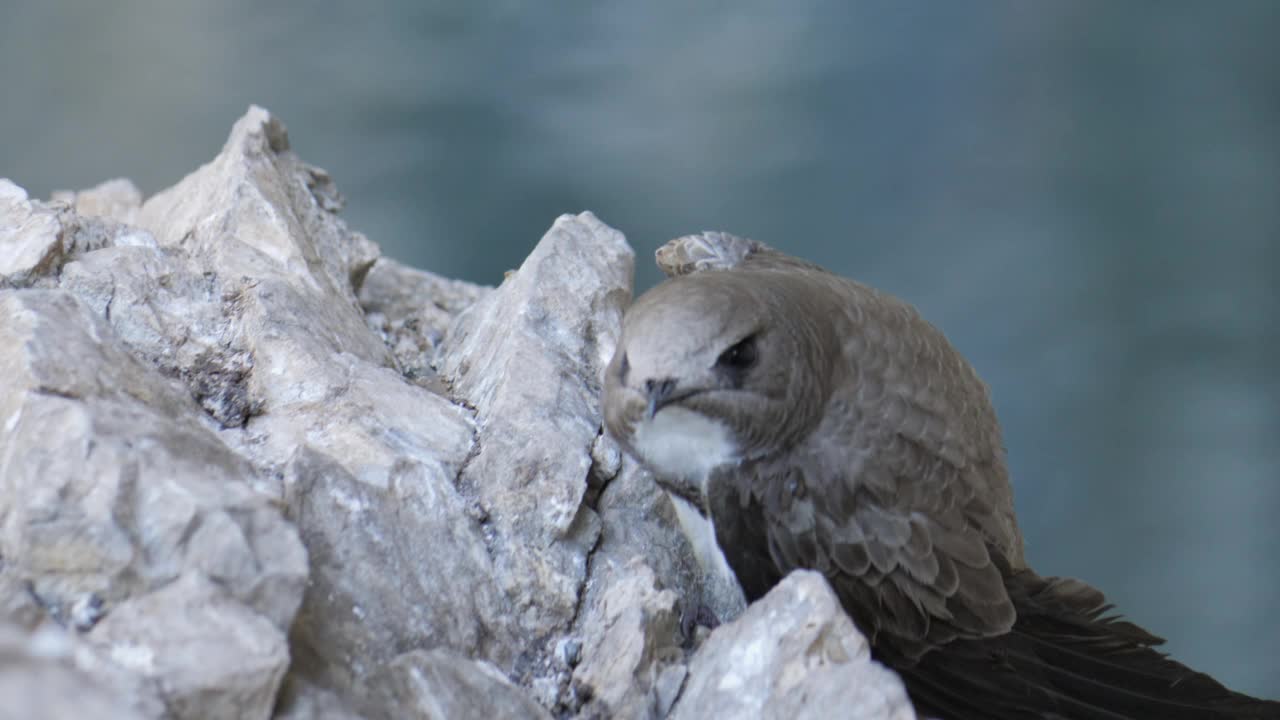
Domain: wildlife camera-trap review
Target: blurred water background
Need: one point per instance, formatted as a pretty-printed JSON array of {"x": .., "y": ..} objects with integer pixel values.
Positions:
[{"x": 1084, "y": 195}]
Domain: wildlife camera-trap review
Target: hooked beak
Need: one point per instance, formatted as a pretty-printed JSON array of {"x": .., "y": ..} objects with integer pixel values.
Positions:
[{"x": 658, "y": 393}]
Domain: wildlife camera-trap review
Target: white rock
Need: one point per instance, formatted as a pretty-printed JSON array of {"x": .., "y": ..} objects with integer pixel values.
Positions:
[
  {"x": 210, "y": 655},
  {"x": 792, "y": 654},
  {"x": 224, "y": 421},
  {"x": 47, "y": 674},
  {"x": 630, "y": 642},
  {"x": 437, "y": 685},
  {"x": 528, "y": 358}
]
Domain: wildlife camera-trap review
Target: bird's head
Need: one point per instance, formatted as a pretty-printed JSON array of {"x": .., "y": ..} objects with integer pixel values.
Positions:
[{"x": 718, "y": 367}]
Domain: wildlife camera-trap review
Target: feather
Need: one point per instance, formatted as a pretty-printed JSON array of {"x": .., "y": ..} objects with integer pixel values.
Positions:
[{"x": 851, "y": 558}]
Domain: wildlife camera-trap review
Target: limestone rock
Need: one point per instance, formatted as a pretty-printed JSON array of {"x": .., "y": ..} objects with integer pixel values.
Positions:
[
  {"x": 393, "y": 569},
  {"x": 792, "y": 654},
  {"x": 112, "y": 485},
  {"x": 113, "y": 489},
  {"x": 439, "y": 685},
  {"x": 411, "y": 311},
  {"x": 631, "y": 643},
  {"x": 211, "y": 657},
  {"x": 248, "y": 468},
  {"x": 47, "y": 674},
  {"x": 257, "y": 211},
  {"x": 528, "y": 358},
  {"x": 118, "y": 200},
  {"x": 38, "y": 239},
  {"x": 29, "y": 235},
  {"x": 300, "y": 699}
]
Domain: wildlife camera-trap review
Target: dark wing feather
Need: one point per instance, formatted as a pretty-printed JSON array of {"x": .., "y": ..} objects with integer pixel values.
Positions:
[
  {"x": 1065, "y": 658},
  {"x": 941, "y": 629}
]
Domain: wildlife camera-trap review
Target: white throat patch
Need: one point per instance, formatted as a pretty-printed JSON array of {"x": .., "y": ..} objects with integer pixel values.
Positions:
[
  {"x": 684, "y": 444},
  {"x": 726, "y": 594},
  {"x": 679, "y": 443}
]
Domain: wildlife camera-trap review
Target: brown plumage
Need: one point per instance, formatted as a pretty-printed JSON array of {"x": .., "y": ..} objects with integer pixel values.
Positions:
[{"x": 821, "y": 424}]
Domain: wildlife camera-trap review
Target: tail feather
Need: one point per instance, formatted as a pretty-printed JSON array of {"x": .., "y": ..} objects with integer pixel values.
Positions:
[{"x": 1066, "y": 658}]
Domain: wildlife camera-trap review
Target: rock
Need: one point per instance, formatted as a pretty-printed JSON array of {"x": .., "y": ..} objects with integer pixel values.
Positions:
[
  {"x": 112, "y": 485},
  {"x": 302, "y": 700},
  {"x": 792, "y": 654},
  {"x": 393, "y": 569},
  {"x": 118, "y": 200},
  {"x": 113, "y": 489},
  {"x": 210, "y": 656},
  {"x": 47, "y": 674},
  {"x": 411, "y": 311},
  {"x": 271, "y": 274},
  {"x": 638, "y": 522},
  {"x": 39, "y": 239},
  {"x": 257, "y": 211},
  {"x": 250, "y": 469},
  {"x": 528, "y": 358},
  {"x": 631, "y": 641},
  {"x": 439, "y": 685},
  {"x": 30, "y": 236}
]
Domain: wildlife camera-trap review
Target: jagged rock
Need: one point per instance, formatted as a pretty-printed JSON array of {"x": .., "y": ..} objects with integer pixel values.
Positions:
[
  {"x": 528, "y": 358},
  {"x": 118, "y": 200},
  {"x": 48, "y": 674},
  {"x": 631, "y": 642},
  {"x": 439, "y": 685},
  {"x": 29, "y": 236},
  {"x": 274, "y": 274},
  {"x": 210, "y": 656},
  {"x": 259, "y": 212},
  {"x": 642, "y": 520},
  {"x": 301, "y": 699},
  {"x": 111, "y": 484},
  {"x": 199, "y": 385},
  {"x": 112, "y": 489},
  {"x": 411, "y": 311},
  {"x": 38, "y": 238},
  {"x": 793, "y": 654},
  {"x": 393, "y": 569},
  {"x": 638, "y": 522}
]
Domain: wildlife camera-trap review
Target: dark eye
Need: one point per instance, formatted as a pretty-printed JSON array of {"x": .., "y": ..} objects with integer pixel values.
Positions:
[{"x": 739, "y": 357}]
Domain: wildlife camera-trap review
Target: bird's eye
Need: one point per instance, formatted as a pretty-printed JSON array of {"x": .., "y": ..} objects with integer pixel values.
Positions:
[{"x": 741, "y": 356}]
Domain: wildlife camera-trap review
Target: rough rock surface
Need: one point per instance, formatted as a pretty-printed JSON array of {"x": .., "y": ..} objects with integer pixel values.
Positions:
[
  {"x": 250, "y": 469},
  {"x": 793, "y": 654},
  {"x": 439, "y": 685},
  {"x": 630, "y": 666},
  {"x": 49, "y": 673}
]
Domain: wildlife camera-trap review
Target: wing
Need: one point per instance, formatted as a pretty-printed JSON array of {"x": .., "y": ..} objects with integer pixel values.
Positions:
[
  {"x": 914, "y": 562},
  {"x": 899, "y": 495},
  {"x": 907, "y": 554}
]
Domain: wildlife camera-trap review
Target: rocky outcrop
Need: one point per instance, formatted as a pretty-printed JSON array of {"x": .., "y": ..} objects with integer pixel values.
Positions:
[{"x": 249, "y": 469}]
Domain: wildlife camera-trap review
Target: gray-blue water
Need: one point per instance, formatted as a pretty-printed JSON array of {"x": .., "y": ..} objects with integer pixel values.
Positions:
[{"x": 1084, "y": 195}]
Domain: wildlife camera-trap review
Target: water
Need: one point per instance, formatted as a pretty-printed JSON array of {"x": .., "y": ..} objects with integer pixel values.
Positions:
[{"x": 1085, "y": 196}]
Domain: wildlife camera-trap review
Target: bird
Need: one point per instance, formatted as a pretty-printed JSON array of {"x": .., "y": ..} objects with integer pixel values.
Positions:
[{"x": 818, "y": 423}]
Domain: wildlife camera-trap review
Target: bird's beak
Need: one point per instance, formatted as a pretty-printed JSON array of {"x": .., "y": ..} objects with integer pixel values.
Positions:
[{"x": 658, "y": 392}]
